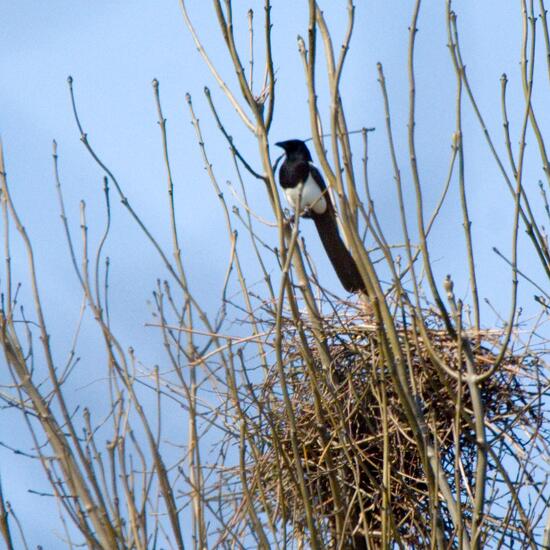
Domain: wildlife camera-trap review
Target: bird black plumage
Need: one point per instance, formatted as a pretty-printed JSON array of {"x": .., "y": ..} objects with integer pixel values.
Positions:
[{"x": 302, "y": 182}]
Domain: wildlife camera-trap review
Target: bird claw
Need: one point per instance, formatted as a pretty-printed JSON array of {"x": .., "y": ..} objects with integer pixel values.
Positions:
[
  {"x": 290, "y": 219},
  {"x": 307, "y": 213}
]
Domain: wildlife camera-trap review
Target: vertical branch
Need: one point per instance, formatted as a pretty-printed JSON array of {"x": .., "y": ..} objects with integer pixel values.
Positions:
[
  {"x": 415, "y": 174},
  {"x": 478, "y": 420},
  {"x": 398, "y": 182},
  {"x": 546, "y": 534},
  {"x": 250, "y": 15},
  {"x": 170, "y": 183},
  {"x": 527, "y": 73},
  {"x": 309, "y": 55},
  {"x": 518, "y": 195},
  {"x": 306, "y": 498},
  {"x": 195, "y": 464},
  {"x": 227, "y": 92},
  {"x": 4, "y": 523},
  {"x": 386, "y": 478},
  {"x": 459, "y": 143},
  {"x": 8, "y": 307},
  {"x": 225, "y": 21},
  {"x": 269, "y": 86},
  {"x": 543, "y": 16},
  {"x": 339, "y": 133},
  {"x": 506, "y": 124},
  {"x": 102, "y": 241}
]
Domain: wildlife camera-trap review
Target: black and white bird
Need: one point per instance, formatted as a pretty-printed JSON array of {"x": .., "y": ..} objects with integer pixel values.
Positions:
[{"x": 305, "y": 188}]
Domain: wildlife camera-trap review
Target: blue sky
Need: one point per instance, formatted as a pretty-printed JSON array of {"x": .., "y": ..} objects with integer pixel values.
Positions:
[{"x": 113, "y": 50}]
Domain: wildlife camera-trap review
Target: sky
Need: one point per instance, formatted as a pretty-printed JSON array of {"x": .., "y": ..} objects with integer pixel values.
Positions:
[{"x": 113, "y": 51}]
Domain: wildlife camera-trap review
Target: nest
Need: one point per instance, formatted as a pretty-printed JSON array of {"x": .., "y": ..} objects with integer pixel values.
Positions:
[{"x": 353, "y": 437}]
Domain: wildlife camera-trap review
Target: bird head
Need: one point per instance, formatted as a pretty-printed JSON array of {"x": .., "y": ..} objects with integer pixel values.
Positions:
[{"x": 295, "y": 149}]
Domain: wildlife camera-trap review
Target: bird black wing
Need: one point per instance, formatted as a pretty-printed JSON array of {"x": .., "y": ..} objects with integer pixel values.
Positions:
[
  {"x": 320, "y": 181},
  {"x": 317, "y": 177}
]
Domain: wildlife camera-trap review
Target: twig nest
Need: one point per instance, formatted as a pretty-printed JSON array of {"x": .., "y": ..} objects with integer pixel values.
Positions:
[{"x": 355, "y": 445}]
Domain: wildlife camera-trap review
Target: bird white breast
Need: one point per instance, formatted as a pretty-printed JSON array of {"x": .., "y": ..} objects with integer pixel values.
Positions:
[{"x": 311, "y": 196}]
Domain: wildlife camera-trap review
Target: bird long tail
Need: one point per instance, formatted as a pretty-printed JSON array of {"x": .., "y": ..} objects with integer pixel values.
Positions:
[{"x": 340, "y": 257}]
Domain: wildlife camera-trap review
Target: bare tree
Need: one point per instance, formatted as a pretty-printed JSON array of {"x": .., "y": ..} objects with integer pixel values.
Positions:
[{"x": 391, "y": 419}]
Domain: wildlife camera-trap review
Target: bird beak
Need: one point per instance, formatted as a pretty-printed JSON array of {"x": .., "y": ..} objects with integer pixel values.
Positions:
[{"x": 281, "y": 144}]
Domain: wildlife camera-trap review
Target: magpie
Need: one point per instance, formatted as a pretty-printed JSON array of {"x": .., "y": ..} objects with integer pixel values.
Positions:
[{"x": 304, "y": 187}]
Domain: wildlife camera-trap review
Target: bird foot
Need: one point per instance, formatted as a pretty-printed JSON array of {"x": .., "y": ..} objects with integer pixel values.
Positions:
[{"x": 307, "y": 213}]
